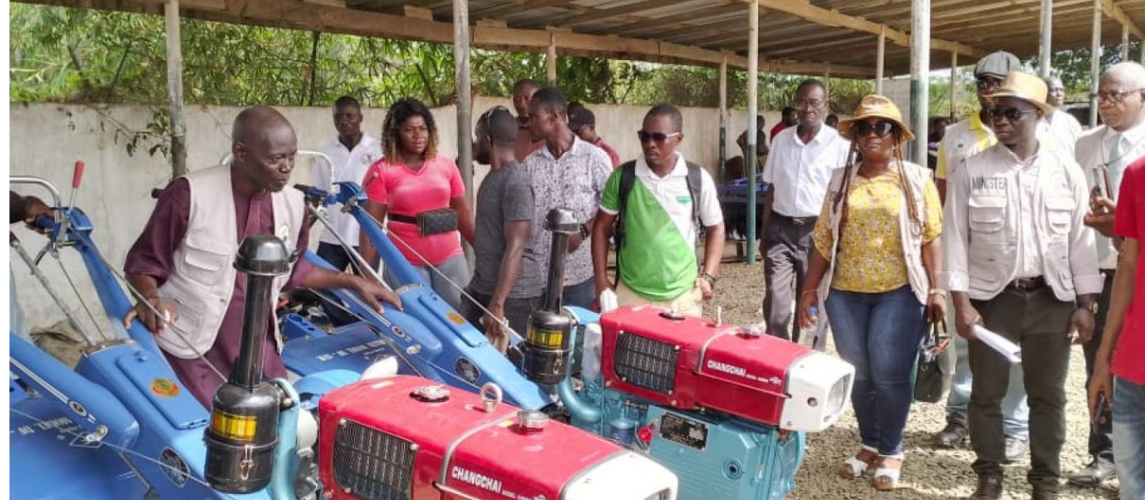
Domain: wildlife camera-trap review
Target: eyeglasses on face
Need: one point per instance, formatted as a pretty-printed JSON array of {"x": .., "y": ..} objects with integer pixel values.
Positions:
[
  {"x": 657, "y": 137},
  {"x": 881, "y": 128},
  {"x": 1115, "y": 97},
  {"x": 1011, "y": 114},
  {"x": 808, "y": 104}
]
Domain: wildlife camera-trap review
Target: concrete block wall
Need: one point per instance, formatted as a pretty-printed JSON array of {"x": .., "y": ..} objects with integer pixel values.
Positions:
[{"x": 47, "y": 138}]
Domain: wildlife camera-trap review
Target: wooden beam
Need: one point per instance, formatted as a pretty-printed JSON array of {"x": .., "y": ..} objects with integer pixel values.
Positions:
[
  {"x": 417, "y": 12},
  {"x": 819, "y": 15},
  {"x": 1113, "y": 10}
]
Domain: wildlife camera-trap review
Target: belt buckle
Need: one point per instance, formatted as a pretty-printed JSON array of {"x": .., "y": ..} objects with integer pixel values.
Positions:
[{"x": 799, "y": 221}]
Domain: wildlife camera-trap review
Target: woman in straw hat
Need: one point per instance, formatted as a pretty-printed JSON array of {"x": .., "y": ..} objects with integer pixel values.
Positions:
[{"x": 875, "y": 265}]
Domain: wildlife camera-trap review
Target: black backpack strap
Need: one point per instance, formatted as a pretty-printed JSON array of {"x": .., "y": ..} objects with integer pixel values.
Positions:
[
  {"x": 695, "y": 187},
  {"x": 627, "y": 180}
]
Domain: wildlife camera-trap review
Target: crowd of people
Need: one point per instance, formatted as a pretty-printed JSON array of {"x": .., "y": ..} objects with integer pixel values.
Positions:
[{"x": 1026, "y": 227}]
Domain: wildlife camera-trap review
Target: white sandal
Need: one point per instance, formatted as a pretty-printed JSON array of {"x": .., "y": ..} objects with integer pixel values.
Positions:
[
  {"x": 888, "y": 479},
  {"x": 854, "y": 468}
]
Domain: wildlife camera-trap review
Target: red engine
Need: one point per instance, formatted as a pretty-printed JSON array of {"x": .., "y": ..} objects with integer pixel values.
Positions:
[
  {"x": 406, "y": 437},
  {"x": 689, "y": 363}
]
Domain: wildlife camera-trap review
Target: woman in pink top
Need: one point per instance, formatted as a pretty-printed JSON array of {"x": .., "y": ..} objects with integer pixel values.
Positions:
[{"x": 413, "y": 178}]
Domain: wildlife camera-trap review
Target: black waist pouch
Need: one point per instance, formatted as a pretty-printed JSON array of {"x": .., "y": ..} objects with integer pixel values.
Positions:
[{"x": 432, "y": 222}]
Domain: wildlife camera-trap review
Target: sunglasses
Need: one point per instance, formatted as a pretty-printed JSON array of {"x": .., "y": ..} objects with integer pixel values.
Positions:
[
  {"x": 987, "y": 82},
  {"x": 657, "y": 137},
  {"x": 1011, "y": 114},
  {"x": 880, "y": 128}
]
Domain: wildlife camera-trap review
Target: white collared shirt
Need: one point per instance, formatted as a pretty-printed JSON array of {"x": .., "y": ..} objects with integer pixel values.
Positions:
[
  {"x": 799, "y": 172},
  {"x": 349, "y": 166},
  {"x": 1095, "y": 149},
  {"x": 1065, "y": 128}
]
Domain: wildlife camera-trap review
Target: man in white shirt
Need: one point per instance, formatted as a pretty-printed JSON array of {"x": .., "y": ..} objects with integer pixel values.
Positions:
[
  {"x": 1061, "y": 124},
  {"x": 1020, "y": 263},
  {"x": 798, "y": 170},
  {"x": 352, "y": 152},
  {"x": 1105, "y": 152}
]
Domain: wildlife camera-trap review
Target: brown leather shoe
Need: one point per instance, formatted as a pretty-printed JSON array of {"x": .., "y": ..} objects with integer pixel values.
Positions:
[
  {"x": 989, "y": 488},
  {"x": 1044, "y": 495}
]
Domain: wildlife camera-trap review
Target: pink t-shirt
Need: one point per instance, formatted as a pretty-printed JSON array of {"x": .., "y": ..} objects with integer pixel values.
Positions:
[
  {"x": 1130, "y": 223},
  {"x": 408, "y": 192}
]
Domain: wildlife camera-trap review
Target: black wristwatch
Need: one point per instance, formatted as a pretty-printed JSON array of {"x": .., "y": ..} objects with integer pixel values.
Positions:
[
  {"x": 584, "y": 232},
  {"x": 709, "y": 278}
]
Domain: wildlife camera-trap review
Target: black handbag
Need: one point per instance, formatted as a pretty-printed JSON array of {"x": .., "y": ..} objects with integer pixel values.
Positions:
[{"x": 931, "y": 382}]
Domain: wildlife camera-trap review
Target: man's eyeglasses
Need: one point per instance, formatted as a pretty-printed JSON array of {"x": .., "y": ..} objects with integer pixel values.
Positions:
[
  {"x": 1115, "y": 97},
  {"x": 988, "y": 82},
  {"x": 657, "y": 137},
  {"x": 880, "y": 128},
  {"x": 1011, "y": 114},
  {"x": 808, "y": 104}
]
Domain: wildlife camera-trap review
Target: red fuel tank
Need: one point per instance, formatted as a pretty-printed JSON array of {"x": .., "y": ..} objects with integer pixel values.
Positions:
[
  {"x": 407, "y": 437},
  {"x": 689, "y": 363}
]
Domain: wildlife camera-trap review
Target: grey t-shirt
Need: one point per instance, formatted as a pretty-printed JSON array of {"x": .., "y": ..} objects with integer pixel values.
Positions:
[{"x": 504, "y": 196}]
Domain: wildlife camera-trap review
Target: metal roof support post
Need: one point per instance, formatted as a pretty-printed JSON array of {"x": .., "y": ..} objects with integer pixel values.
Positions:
[
  {"x": 881, "y": 56},
  {"x": 1124, "y": 42},
  {"x": 175, "y": 89},
  {"x": 464, "y": 93},
  {"x": 953, "y": 88},
  {"x": 723, "y": 115},
  {"x": 752, "y": 112},
  {"x": 919, "y": 73},
  {"x": 1045, "y": 53},
  {"x": 461, "y": 41},
  {"x": 1094, "y": 62},
  {"x": 551, "y": 60}
]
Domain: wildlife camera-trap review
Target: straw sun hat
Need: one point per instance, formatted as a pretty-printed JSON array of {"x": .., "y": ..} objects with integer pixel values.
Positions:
[
  {"x": 875, "y": 106},
  {"x": 1024, "y": 86}
]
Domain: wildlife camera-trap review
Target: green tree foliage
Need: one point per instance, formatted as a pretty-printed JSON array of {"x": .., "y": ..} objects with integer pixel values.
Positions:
[{"x": 76, "y": 55}]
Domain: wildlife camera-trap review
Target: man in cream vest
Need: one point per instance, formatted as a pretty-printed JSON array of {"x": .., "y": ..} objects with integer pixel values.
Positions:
[
  {"x": 183, "y": 261},
  {"x": 1020, "y": 263}
]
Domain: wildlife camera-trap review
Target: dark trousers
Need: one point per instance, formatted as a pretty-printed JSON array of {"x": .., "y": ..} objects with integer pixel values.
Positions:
[
  {"x": 335, "y": 255},
  {"x": 517, "y": 311},
  {"x": 1100, "y": 442},
  {"x": 1038, "y": 322},
  {"x": 784, "y": 267}
]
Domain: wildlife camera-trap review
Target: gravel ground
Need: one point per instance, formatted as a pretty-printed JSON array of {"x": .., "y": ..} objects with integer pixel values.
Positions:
[{"x": 928, "y": 473}]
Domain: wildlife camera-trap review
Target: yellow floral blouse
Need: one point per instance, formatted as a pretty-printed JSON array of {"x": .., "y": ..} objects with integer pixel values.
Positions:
[{"x": 870, "y": 258}]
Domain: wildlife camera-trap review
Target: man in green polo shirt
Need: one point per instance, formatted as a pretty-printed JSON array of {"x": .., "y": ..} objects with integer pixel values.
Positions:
[{"x": 669, "y": 200}]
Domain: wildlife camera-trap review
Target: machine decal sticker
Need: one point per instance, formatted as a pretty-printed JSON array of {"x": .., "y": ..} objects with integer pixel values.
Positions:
[
  {"x": 164, "y": 388},
  {"x": 175, "y": 467},
  {"x": 467, "y": 370},
  {"x": 455, "y": 318},
  {"x": 684, "y": 431},
  {"x": 479, "y": 480}
]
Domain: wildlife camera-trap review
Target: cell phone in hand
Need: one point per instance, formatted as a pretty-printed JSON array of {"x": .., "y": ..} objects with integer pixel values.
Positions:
[
  {"x": 1100, "y": 416},
  {"x": 1100, "y": 177}
]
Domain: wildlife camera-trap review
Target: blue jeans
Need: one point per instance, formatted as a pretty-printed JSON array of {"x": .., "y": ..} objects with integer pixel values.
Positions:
[
  {"x": 1015, "y": 410},
  {"x": 1129, "y": 437},
  {"x": 879, "y": 333},
  {"x": 456, "y": 268}
]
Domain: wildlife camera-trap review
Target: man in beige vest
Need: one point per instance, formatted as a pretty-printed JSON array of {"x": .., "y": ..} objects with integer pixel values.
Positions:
[{"x": 182, "y": 263}]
